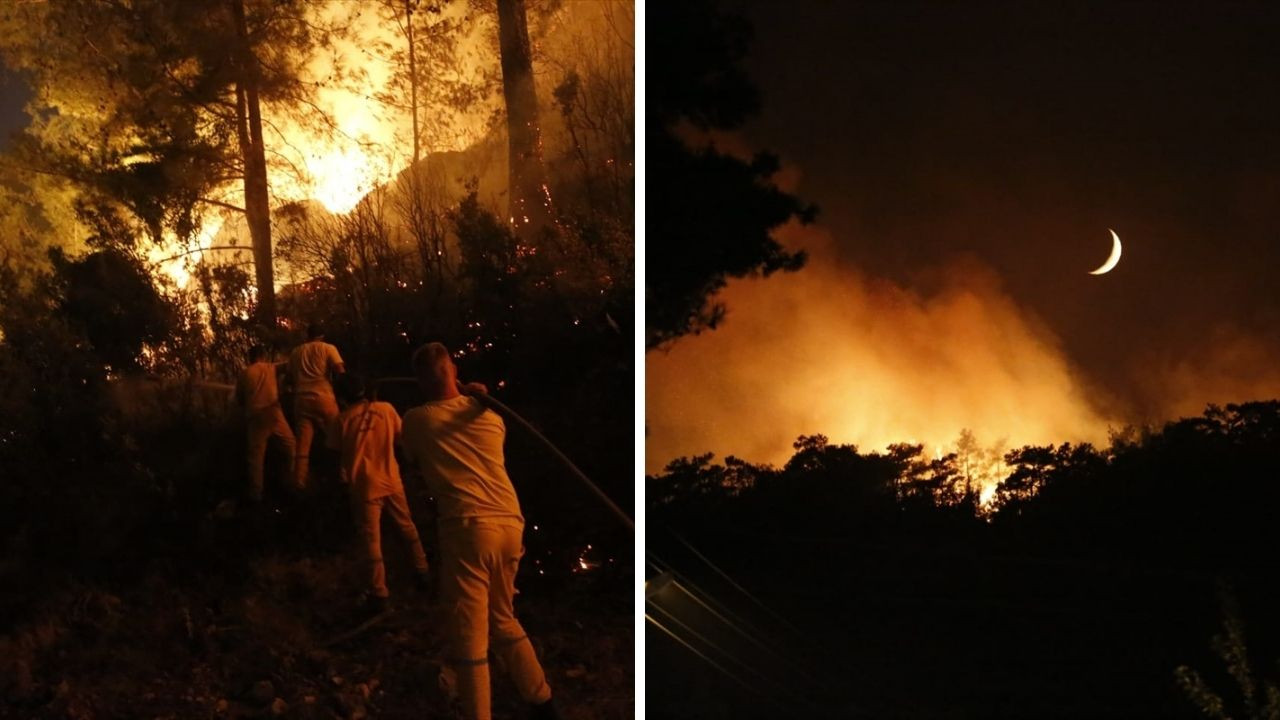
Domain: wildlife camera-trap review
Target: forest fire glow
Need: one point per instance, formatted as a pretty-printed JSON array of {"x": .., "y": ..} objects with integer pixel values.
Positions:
[
  {"x": 828, "y": 350},
  {"x": 365, "y": 141},
  {"x": 172, "y": 261},
  {"x": 359, "y": 143}
]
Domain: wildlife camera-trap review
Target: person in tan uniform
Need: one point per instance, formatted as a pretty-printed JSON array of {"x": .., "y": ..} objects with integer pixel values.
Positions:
[
  {"x": 257, "y": 393},
  {"x": 365, "y": 433},
  {"x": 311, "y": 364},
  {"x": 457, "y": 444}
]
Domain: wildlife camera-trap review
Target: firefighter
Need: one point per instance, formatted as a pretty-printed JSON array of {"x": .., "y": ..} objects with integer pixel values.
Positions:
[
  {"x": 365, "y": 433},
  {"x": 311, "y": 364},
  {"x": 457, "y": 445},
  {"x": 257, "y": 393}
]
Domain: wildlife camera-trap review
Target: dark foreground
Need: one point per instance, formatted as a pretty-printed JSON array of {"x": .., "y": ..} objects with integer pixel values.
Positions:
[
  {"x": 269, "y": 635},
  {"x": 1138, "y": 581}
]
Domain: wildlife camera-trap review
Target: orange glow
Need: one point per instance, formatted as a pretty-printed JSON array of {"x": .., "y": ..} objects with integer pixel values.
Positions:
[
  {"x": 176, "y": 262},
  {"x": 369, "y": 140},
  {"x": 360, "y": 146},
  {"x": 828, "y": 350}
]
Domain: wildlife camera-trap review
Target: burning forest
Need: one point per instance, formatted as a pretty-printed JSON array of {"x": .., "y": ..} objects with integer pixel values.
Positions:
[
  {"x": 228, "y": 229},
  {"x": 961, "y": 360}
]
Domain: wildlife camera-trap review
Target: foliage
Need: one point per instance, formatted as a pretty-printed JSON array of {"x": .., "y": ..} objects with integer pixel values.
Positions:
[
  {"x": 1258, "y": 699},
  {"x": 70, "y": 483},
  {"x": 156, "y": 105},
  {"x": 595, "y": 100},
  {"x": 1097, "y": 561},
  {"x": 712, "y": 215},
  {"x": 438, "y": 79}
]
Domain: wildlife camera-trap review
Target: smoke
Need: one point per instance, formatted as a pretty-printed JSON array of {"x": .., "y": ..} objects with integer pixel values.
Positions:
[
  {"x": 829, "y": 350},
  {"x": 1230, "y": 366}
]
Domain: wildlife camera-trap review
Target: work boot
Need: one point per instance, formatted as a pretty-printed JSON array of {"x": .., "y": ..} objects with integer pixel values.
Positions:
[{"x": 544, "y": 711}]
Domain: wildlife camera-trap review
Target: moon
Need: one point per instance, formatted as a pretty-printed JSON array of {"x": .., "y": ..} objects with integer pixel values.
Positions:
[{"x": 1111, "y": 261}]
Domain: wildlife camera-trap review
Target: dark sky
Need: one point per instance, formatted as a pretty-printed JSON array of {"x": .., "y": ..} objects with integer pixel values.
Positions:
[{"x": 1019, "y": 133}]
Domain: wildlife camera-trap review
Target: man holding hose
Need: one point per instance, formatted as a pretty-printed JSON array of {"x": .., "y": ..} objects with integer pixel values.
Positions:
[{"x": 457, "y": 444}]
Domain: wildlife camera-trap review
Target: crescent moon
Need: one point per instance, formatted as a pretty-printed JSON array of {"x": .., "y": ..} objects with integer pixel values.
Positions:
[{"x": 1113, "y": 260}]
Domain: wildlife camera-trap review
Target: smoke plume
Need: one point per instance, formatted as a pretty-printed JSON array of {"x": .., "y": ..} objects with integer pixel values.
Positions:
[{"x": 828, "y": 350}]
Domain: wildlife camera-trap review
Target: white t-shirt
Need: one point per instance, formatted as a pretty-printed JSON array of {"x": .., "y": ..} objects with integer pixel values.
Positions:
[
  {"x": 458, "y": 445},
  {"x": 310, "y": 364},
  {"x": 366, "y": 435}
]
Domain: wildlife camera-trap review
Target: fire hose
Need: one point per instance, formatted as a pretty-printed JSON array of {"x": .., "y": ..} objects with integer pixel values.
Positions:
[{"x": 501, "y": 408}]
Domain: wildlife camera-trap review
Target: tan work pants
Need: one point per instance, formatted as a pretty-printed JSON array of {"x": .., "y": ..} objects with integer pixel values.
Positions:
[
  {"x": 262, "y": 425},
  {"x": 310, "y": 411},
  {"x": 368, "y": 519},
  {"x": 477, "y": 586}
]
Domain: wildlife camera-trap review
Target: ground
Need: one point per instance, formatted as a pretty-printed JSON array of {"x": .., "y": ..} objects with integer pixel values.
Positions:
[{"x": 243, "y": 634}]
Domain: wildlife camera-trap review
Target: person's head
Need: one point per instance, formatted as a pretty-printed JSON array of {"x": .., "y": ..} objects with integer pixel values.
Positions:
[
  {"x": 436, "y": 373},
  {"x": 315, "y": 331},
  {"x": 350, "y": 388},
  {"x": 257, "y": 353}
]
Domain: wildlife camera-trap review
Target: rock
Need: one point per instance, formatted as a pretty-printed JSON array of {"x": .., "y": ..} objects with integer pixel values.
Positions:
[
  {"x": 336, "y": 680},
  {"x": 364, "y": 690},
  {"x": 358, "y": 713},
  {"x": 309, "y": 699},
  {"x": 279, "y": 706},
  {"x": 262, "y": 693},
  {"x": 576, "y": 671},
  {"x": 222, "y": 705}
]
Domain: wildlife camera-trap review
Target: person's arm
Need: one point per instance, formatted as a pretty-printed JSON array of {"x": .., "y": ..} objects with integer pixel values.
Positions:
[{"x": 473, "y": 388}]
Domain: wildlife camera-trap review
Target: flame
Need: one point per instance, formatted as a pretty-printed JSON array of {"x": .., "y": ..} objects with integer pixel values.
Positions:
[
  {"x": 174, "y": 260},
  {"x": 338, "y": 159},
  {"x": 342, "y": 176},
  {"x": 364, "y": 141}
]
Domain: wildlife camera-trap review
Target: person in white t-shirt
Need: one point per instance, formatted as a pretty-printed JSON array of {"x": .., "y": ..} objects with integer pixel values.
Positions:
[
  {"x": 311, "y": 364},
  {"x": 457, "y": 444},
  {"x": 365, "y": 433}
]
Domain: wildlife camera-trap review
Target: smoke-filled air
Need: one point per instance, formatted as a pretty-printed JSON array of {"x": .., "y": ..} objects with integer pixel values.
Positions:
[{"x": 830, "y": 350}]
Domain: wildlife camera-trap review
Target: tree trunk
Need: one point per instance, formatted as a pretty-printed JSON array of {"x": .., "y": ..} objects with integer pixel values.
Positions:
[
  {"x": 529, "y": 198},
  {"x": 257, "y": 203},
  {"x": 413, "y": 76}
]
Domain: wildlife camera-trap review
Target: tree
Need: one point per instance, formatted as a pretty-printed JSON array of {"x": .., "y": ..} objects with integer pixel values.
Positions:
[
  {"x": 711, "y": 215},
  {"x": 530, "y": 197},
  {"x": 436, "y": 79},
  {"x": 158, "y": 105},
  {"x": 595, "y": 95}
]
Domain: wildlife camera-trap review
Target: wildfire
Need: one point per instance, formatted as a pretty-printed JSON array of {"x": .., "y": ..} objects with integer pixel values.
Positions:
[
  {"x": 356, "y": 142},
  {"x": 175, "y": 261},
  {"x": 828, "y": 350}
]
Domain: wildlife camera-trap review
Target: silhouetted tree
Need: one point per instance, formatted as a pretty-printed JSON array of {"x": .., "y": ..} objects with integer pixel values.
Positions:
[
  {"x": 529, "y": 195},
  {"x": 710, "y": 215}
]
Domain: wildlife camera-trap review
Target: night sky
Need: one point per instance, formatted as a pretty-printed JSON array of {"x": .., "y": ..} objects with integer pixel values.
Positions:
[{"x": 1004, "y": 140}]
